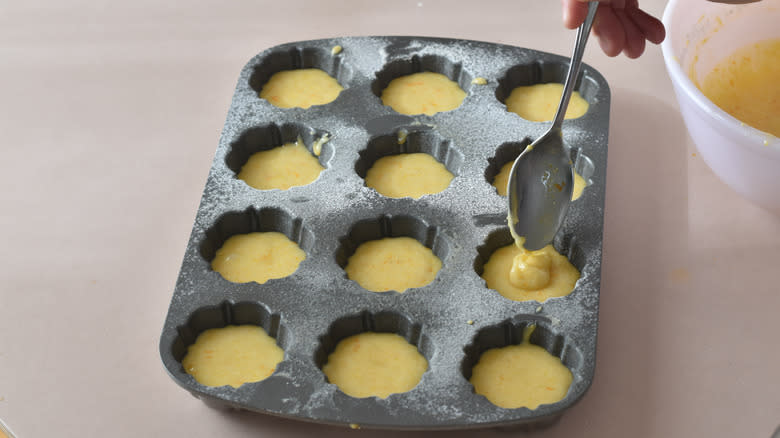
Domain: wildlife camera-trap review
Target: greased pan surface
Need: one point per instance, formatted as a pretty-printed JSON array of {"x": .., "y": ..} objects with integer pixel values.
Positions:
[{"x": 452, "y": 320}]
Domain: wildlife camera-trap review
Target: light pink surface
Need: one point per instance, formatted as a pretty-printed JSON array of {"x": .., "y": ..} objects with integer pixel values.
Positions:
[{"x": 109, "y": 118}]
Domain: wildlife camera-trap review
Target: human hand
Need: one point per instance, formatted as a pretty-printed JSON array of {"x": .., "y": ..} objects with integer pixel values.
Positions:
[{"x": 620, "y": 25}]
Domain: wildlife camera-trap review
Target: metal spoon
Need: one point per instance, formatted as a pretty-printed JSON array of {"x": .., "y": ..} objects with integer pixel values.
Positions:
[{"x": 540, "y": 182}]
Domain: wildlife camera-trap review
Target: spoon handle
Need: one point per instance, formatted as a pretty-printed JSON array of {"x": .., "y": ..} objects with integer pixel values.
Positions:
[{"x": 574, "y": 64}]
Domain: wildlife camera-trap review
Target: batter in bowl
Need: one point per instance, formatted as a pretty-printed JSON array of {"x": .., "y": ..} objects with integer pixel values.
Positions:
[
  {"x": 408, "y": 175},
  {"x": 502, "y": 179},
  {"x": 522, "y": 275},
  {"x": 282, "y": 167},
  {"x": 300, "y": 88},
  {"x": 392, "y": 263},
  {"x": 232, "y": 355},
  {"x": 257, "y": 257},
  {"x": 746, "y": 85},
  {"x": 423, "y": 93},
  {"x": 375, "y": 364},
  {"x": 539, "y": 102},
  {"x": 523, "y": 375}
]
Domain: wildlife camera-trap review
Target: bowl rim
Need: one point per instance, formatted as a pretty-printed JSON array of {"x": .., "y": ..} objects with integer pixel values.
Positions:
[{"x": 756, "y": 139}]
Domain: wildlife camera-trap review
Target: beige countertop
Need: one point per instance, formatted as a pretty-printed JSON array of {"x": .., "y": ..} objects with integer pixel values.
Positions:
[{"x": 110, "y": 114}]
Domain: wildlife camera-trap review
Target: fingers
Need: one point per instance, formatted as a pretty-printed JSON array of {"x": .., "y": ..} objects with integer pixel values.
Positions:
[
  {"x": 574, "y": 12},
  {"x": 620, "y": 26},
  {"x": 635, "y": 39},
  {"x": 615, "y": 4},
  {"x": 651, "y": 27},
  {"x": 609, "y": 30}
]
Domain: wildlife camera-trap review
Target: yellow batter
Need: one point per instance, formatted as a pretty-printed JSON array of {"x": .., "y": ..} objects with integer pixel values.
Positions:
[
  {"x": 300, "y": 88},
  {"x": 747, "y": 85},
  {"x": 412, "y": 175},
  {"x": 522, "y": 275},
  {"x": 257, "y": 257},
  {"x": 282, "y": 167},
  {"x": 232, "y": 355},
  {"x": 375, "y": 364},
  {"x": 502, "y": 179},
  {"x": 423, "y": 93},
  {"x": 539, "y": 102},
  {"x": 523, "y": 375},
  {"x": 392, "y": 263}
]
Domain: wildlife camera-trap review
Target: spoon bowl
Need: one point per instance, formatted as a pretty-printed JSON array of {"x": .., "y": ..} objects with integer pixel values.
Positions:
[
  {"x": 541, "y": 180},
  {"x": 539, "y": 190}
]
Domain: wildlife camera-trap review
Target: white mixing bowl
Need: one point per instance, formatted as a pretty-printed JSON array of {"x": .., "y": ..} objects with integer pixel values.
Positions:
[{"x": 700, "y": 34}]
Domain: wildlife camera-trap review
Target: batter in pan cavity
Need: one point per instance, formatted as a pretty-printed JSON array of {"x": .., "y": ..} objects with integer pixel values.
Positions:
[
  {"x": 232, "y": 355},
  {"x": 300, "y": 88},
  {"x": 423, "y": 93},
  {"x": 257, "y": 257},
  {"x": 392, "y": 263},
  {"x": 523, "y": 375},
  {"x": 408, "y": 175},
  {"x": 282, "y": 167},
  {"x": 522, "y": 275},
  {"x": 539, "y": 102},
  {"x": 375, "y": 364}
]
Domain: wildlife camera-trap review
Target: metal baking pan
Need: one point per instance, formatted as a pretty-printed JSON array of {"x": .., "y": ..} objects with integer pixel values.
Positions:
[{"x": 452, "y": 320}]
